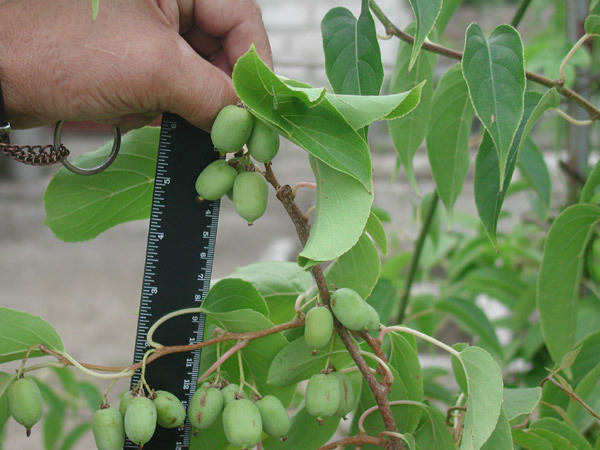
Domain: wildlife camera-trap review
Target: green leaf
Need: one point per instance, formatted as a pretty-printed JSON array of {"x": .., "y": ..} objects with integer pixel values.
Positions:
[
  {"x": 352, "y": 55},
  {"x": 433, "y": 434},
  {"x": 448, "y": 8},
  {"x": 560, "y": 274},
  {"x": 80, "y": 208},
  {"x": 533, "y": 168},
  {"x": 408, "y": 132},
  {"x": 357, "y": 269},
  {"x": 295, "y": 362},
  {"x": 21, "y": 330},
  {"x": 384, "y": 299},
  {"x": 561, "y": 428},
  {"x": 91, "y": 394},
  {"x": 305, "y": 433},
  {"x": 489, "y": 195},
  {"x": 501, "y": 438},
  {"x": 556, "y": 440},
  {"x": 426, "y": 12},
  {"x": 518, "y": 401},
  {"x": 340, "y": 200},
  {"x": 588, "y": 389},
  {"x": 530, "y": 441},
  {"x": 448, "y": 135},
  {"x": 592, "y": 25},
  {"x": 75, "y": 435},
  {"x": 279, "y": 283},
  {"x": 473, "y": 319},
  {"x": 259, "y": 354},
  {"x": 4, "y": 412},
  {"x": 592, "y": 182},
  {"x": 53, "y": 427},
  {"x": 361, "y": 110},
  {"x": 403, "y": 358},
  {"x": 374, "y": 228},
  {"x": 212, "y": 437},
  {"x": 315, "y": 125},
  {"x": 5, "y": 380},
  {"x": 95, "y": 6},
  {"x": 494, "y": 71},
  {"x": 484, "y": 399},
  {"x": 587, "y": 357},
  {"x": 232, "y": 294}
]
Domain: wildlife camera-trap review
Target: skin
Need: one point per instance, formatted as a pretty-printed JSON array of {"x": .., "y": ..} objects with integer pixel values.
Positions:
[{"x": 137, "y": 60}]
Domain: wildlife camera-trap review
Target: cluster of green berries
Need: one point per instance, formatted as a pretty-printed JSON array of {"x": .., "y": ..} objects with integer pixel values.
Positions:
[
  {"x": 233, "y": 128},
  {"x": 136, "y": 418},
  {"x": 349, "y": 308},
  {"x": 244, "y": 421}
]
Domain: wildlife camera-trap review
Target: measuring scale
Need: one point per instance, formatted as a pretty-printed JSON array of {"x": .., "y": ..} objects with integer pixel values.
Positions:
[{"x": 179, "y": 255}]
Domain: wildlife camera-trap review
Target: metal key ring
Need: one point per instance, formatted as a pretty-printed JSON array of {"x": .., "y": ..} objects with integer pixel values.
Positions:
[{"x": 92, "y": 170}]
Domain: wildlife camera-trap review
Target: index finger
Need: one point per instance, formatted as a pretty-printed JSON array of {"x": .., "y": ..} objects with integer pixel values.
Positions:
[{"x": 237, "y": 23}]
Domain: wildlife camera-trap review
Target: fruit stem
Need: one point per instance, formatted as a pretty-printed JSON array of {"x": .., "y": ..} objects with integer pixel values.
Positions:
[
  {"x": 328, "y": 361},
  {"x": 123, "y": 374},
  {"x": 22, "y": 366},
  {"x": 381, "y": 363},
  {"x": 224, "y": 357},
  {"x": 418, "y": 334},
  {"x": 143, "y": 375},
  {"x": 242, "y": 379}
]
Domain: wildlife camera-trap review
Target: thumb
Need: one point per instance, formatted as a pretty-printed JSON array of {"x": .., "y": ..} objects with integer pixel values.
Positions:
[{"x": 198, "y": 90}]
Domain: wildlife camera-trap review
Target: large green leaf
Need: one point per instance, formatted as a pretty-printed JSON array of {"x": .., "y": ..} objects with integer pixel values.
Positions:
[
  {"x": 564, "y": 430},
  {"x": 433, "y": 433},
  {"x": 403, "y": 358},
  {"x": 80, "y": 208},
  {"x": 408, "y": 132},
  {"x": 519, "y": 401},
  {"x": 75, "y": 435},
  {"x": 448, "y": 8},
  {"x": 279, "y": 283},
  {"x": 374, "y": 228},
  {"x": 533, "y": 168},
  {"x": 489, "y": 194},
  {"x": 356, "y": 269},
  {"x": 448, "y": 135},
  {"x": 592, "y": 182},
  {"x": 530, "y": 441},
  {"x": 472, "y": 319},
  {"x": 5, "y": 380},
  {"x": 494, "y": 71},
  {"x": 560, "y": 274},
  {"x": 426, "y": 11},
  {"x": 343, "y": 208},
  {"x": 20, "y": 330},
  {"x": 231, "y": 294},
  {"x": 484, "y": 400},
  {"x": 313, "y": 123},
  {"x": 587, "y": 389},
  {"x": 592, "y": 25},
  {"x": 501, "y": 438},
  {"x": 295, "y": 362},
  {"x": 352, "y": 56},
  {"x": 305, "y": 433}
]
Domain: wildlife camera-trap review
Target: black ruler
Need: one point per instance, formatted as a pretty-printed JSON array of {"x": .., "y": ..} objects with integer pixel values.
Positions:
[{"x": 179, "y": 256}]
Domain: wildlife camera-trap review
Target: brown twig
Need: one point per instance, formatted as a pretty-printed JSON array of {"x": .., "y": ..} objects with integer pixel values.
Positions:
[
  {"x": 391, "y": 29},
  {"x": 285, "y": 195},
  {"x": 571, "y": 395},
  {"x": 358, "y": 439}
]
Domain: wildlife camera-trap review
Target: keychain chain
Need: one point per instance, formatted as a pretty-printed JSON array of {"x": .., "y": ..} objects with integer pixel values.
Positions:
[{"x": 35, "y": 155}]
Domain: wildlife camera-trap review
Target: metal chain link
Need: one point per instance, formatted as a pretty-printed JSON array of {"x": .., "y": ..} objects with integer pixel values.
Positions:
[{"x": 35, "y": 155}]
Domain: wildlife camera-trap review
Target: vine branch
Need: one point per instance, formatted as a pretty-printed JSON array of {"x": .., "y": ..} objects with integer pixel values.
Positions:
[{"x": 391, "y": 29}]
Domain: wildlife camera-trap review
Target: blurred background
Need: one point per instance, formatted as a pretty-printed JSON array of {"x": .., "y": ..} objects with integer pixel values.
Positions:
[{"x": 90, "y": 291}]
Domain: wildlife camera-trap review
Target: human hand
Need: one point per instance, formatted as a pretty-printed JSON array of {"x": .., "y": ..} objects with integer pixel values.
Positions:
[{"x": 137, "y": 60}]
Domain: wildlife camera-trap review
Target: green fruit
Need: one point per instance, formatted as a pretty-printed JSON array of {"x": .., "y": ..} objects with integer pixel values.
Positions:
[
  {"x": 263, "y": 143},
  {"x": 126, "y": 400},
  {"x": 347, "y": 394},
  {"x": 318, "y": 327},
  {"x": 170, "y": 413},
  {"x": 25, "y": 402},
  {"x": 323, "y": 395},
  {"x": 205, "y": 406},
  {"x": 107, "y": 426},
  {"x": 275, "y": 419},
  {"x": 140, "y": 420},
  {"x": 250, "y": 195},
  {"x": 230, "y": 393},
  {"x": 231, "y": 129},
  {"x": 350, "y": 309},
  {"x": 242, "y": 423},
  {"x": 215, "y": 180},
  {"x": 373, "y": 323}
]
